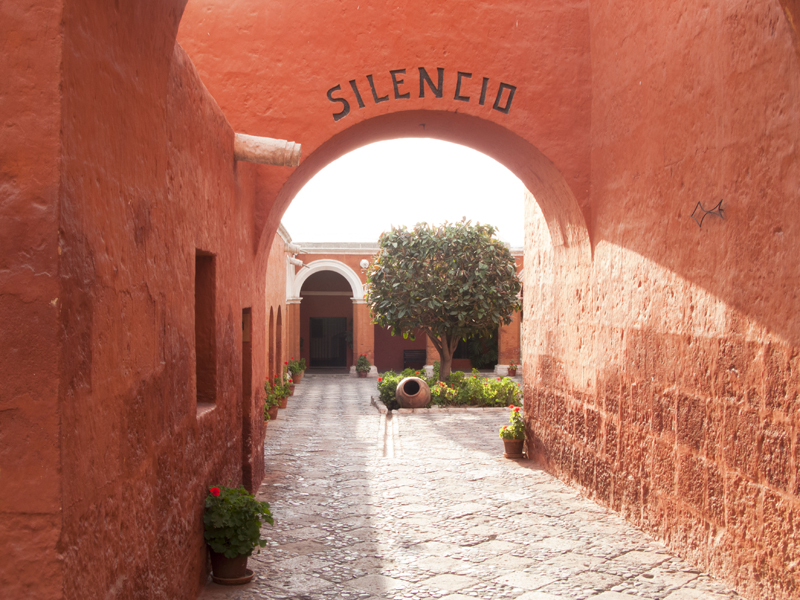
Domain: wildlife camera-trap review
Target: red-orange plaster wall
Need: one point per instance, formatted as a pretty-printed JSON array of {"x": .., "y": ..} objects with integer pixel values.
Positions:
[
  {"x": 389, "y": 348},
  {"x": 662, "y": 376},
  {"x": 148, "y": 179},
  {"x": 30, "y": 462},
  {"x": 272, "y": 69},
  {"x": 118, "y": 166}
]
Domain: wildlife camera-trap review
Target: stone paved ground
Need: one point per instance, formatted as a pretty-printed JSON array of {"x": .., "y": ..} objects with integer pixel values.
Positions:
[{"x": 423, "y": 506}]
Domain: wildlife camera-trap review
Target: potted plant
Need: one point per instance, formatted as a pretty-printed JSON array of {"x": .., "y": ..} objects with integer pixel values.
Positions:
[
  {"x": 512, "y": 368},
  {"x": 271, "y": 402},
  {"x": 363, "y": 366},
  {"x": 288, "y": 379},
  {"x": 513, "y": 434},
  {"x": 296, "y": 368},
  {"x": 281, "y": 388},
  {"x": 232, "y": 529}
]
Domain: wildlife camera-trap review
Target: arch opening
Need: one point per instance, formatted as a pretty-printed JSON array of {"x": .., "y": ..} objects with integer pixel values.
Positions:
[{"x": 565, "y": 218}]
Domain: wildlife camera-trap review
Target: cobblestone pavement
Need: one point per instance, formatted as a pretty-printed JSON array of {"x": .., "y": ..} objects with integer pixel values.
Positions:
[{"x": 422, "y": 505}]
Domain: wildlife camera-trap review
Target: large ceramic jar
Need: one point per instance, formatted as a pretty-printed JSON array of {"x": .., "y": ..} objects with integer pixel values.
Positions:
[{"x": 413, "y": 392}]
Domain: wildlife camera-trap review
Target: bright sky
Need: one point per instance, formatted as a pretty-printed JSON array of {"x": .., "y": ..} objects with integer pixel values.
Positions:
[{"x": 402, "y": 182}]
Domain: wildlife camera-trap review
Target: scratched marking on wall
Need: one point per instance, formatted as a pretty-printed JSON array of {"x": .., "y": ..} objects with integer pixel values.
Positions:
[{"x": 465, "y": 90}]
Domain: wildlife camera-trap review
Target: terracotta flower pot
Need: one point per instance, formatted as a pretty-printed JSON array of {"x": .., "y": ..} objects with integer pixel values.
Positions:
[
  {"x": 413, "y": 392},
  {"x": 273, "y": 413},
  {"x": 362, "y": 373},
  {"x": 513, "y": 448},
  {"x": 283, "y": 403},
  {"x": 512, "y": 372},
  {"x": 291, "y": 389},
  {"x": 229, "y": 571},
  {"x": 296, "y": 377}
]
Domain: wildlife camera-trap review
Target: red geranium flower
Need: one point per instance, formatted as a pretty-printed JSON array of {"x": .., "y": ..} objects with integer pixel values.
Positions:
[
  {"x": 416, "y": 372},
  {"x": 511, "y": 406},
  {"x": 516, "y": 409},
  {"x": 286, "y": 362},
  {"x": 498, "y": 379},
  {"x": 380, "y": 379},
  {"x": 214, "y": 491}
]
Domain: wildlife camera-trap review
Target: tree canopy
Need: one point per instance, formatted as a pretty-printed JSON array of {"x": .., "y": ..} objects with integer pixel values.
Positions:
[{"x": 452, "y": 281}]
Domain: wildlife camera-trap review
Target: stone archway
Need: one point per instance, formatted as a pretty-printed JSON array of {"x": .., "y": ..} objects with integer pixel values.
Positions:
[
  {"x": 363, "y": 341},
  {"x": 329, "y": 265}
]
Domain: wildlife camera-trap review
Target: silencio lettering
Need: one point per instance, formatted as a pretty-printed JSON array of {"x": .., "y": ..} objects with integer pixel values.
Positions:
[{"x": 398, "y": 87}]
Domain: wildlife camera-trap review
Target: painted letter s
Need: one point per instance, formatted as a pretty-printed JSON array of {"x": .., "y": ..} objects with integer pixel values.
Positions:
[{"x": 345, "y": 104}]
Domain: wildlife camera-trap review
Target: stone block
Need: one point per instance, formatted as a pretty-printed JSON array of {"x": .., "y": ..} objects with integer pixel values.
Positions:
[
  {"x": 662, "y": 467},
  {"x": 663, "y": 413},
  {"x": 715, "y": 494},
  {"x": 611, "y": 447},
  {"x": 774, "y": 459},
  {"x": 742, "y": 498},
  {"x": 691, "y": 481},
  {"x": 741, "y": 437},
  {"x": 690, "y": 421}
]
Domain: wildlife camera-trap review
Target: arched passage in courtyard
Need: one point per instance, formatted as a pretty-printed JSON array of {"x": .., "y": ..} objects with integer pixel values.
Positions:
[
  {"x": 664, "y": 374},
  {"x": 330, "y": 295}
]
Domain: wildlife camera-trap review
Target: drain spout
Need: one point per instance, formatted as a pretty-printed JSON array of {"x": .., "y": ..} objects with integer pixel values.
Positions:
[{"x": 266, "y": 151}]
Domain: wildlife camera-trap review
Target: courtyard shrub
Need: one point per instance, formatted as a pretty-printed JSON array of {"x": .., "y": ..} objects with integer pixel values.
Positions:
[{"x": 459, "y": 389}]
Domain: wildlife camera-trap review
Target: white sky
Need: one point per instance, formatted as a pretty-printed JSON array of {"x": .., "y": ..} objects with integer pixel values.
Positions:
[{"x": 402, "y": 182}]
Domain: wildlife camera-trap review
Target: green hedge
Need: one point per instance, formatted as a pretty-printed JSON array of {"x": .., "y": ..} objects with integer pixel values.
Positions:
[{"x": 459, "y": 389}]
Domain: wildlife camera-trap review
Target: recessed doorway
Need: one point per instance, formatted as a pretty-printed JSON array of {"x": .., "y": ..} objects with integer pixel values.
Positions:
[{"x": 328, "y": 344}]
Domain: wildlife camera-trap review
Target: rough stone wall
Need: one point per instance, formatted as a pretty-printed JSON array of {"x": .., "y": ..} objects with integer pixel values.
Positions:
[
  {"x": 148, "y": 178},
  {"x": 30, "y": 466},
  {"x": 662, "y": 373}
]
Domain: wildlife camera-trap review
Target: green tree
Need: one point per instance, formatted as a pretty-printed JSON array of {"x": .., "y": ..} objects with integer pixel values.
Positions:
[{"x": 452, "y": 281}]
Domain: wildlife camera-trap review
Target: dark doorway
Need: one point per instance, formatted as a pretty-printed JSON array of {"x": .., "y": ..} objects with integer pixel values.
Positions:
[{"x": 328, "y": 346}]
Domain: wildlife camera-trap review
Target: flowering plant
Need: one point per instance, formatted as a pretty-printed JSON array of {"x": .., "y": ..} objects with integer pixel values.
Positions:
[
  {"x": 297, "y": 366},
  {"x": 513, "y": 365},
  {"x": 363, "y": 365},
  {"x": 232, "y": 521},
  {"x": 276, "y": 390},
  {"x": 516, "y": 428},
  {"x": 458, "y": 390}
]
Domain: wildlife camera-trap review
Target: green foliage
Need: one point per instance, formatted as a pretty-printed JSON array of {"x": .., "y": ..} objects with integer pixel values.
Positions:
[
  {"x": 297, "y": 366},
  {"x": 452, "y": 281},
  {"x": 232, "y": 521},
  {"x": 458, "y": 390},
  {"x": 363, "y": 365},
  {"x": 515, "y": 430},
  {"x": 276, "y": 390},
  {"x": 482, "y": 350}
]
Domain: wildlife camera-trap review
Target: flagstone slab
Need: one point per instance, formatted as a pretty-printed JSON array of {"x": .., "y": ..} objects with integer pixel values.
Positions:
[
  {"x": 450, "y": 583},
  {"x": 377, "y": 584}
]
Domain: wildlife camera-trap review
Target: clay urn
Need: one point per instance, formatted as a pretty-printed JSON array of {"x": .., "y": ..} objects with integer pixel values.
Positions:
[{"x": 413, "y": 392}]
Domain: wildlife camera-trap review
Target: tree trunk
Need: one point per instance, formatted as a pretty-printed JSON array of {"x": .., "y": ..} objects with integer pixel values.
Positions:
[
  {"x": 445, "y": 365},
  {"x": 446, "y": 345}
]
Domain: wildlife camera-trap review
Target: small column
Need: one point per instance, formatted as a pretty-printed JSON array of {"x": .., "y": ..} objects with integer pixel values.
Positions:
[
  {"x": 363, "y": 334},
  {"x": 293, "y": 327},
  {"x": 508, "y": 344}
]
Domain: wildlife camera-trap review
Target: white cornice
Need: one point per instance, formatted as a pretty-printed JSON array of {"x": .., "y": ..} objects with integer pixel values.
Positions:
[{"x": 284, "y": 234}]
